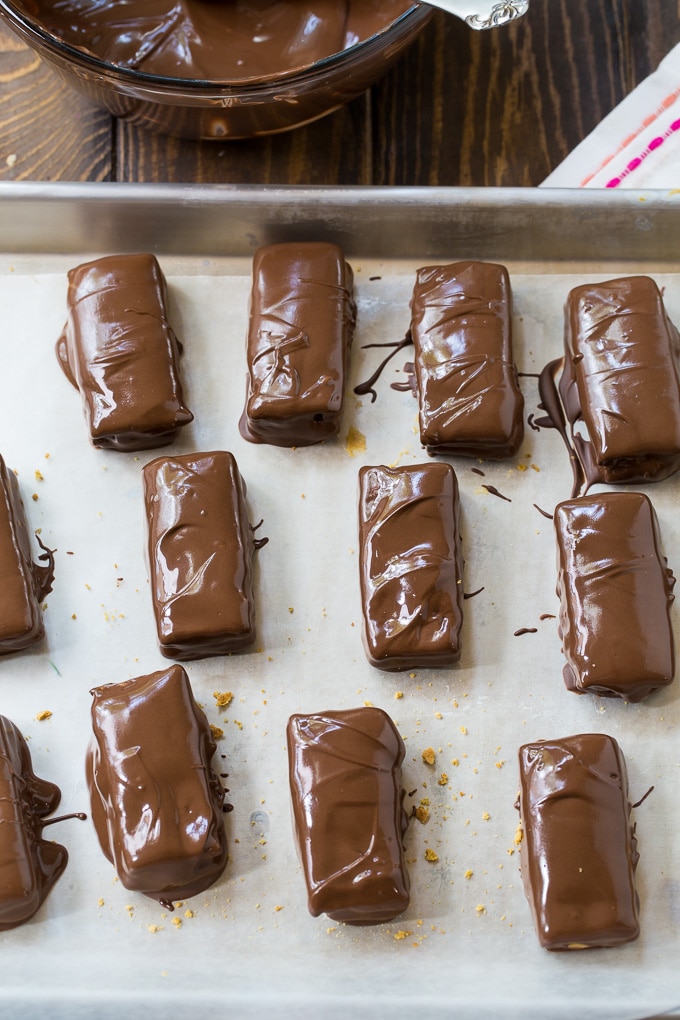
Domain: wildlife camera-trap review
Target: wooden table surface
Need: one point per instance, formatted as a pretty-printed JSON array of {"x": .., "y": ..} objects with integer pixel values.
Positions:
[{"x": 460, "y": 108}]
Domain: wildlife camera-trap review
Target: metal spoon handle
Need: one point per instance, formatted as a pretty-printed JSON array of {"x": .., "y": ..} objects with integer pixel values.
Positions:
[{"x": 481, "y": 14}]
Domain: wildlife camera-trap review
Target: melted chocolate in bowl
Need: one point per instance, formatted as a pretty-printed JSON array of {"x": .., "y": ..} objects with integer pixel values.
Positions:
[{"x": 218, "y": 68}]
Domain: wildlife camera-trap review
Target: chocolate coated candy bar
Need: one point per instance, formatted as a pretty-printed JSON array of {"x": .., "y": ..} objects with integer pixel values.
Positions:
[
  {"x": 156, "y": 802},
  {"x": 578, "y": 854},
  {"x": 615, "y": 596},
  {"x": 200, "y": 547},
  {"x": 29, "y": 865},
  {"x": 23, "y": 584},
  {"x": 302, "y": 317},
  {"x": 119, "y": 351},
  {"x": 410, "y": 565},
  {"x": 345, "y": 780},
  {"x": 621, "y": 378},
  {"x": 461, "y": 325}
]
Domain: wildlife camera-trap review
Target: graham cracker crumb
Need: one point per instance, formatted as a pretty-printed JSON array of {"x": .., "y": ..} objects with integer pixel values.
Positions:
[
  {"x": 46, "y": 714},
  {"x": 222, "y": 698},
  {"x": 216, "y": 732},
  {"x": 399, "y": 935},
  {"x": 431, "y": 856},
  {"x": 428, "y": 756}
]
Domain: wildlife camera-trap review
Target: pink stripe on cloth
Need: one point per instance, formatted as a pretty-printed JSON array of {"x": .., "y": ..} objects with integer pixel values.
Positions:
[
  {"x": 635, "y": 163},
  {"x": 655, "y": 143}
]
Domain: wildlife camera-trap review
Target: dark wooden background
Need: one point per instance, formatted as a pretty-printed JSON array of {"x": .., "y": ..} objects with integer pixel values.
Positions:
[{"x": 460, "y": 108}]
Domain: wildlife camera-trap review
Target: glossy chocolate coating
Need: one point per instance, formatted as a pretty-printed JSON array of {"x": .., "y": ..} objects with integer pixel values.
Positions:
[
  {"x": 615, "y": 594},
  {"x": 470, "y": 403},
  {"x": 23, "y": 584},
  {"x": 200, "y": 548},
  {"x": 119, "y": 351},
  {"x": 578, "y": 854},
  {"x": 345, "y": 780},
  {"x": 621, "y": 379},
  {"x": 156, "y": 802},
  {"x": 29, "y": 865},
  {"x": 238, "y": 40},
  {"x": 411, "y": 565},
  {"x": 302, "y": 317}
]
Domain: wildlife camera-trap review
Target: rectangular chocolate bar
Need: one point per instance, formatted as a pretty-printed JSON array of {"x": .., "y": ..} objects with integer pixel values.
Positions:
[
  {"x": 615, "y": 593},
  {"x": 411, "y": 565},
  {"x": 200, "y": 548},
  {"x": 29, "y": 865},
  {"x": 470, "y": 403},
  {"x": 302, "y": 317},
  {"x": 23, "y": 584},
  {"x": 156, "y": 801},
  {"x": 578, "y": 853},
  {"x": 621, "y": 380},
  {"x": 118, "y": 349},
  {"x": 345, "y": 781}
]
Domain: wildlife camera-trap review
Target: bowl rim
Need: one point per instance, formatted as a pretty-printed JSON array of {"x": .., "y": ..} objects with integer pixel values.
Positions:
[{"x": 131, "y": 76}]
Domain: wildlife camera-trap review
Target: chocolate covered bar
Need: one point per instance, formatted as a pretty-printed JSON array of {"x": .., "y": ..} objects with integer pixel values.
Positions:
[
  {"x": 578, "y": 853},
  {"x": 302, "y": 317},
  {"x": 23, "y": 584},
  {"x": 345, "y": 781},
  {"x": 29, "y": 865},
  {"x": 156, "y": 801},
  {"x": 621, "y": 381},
  {"x": 615, "y": 593},
  {"x": 200, "y": 547},
  {"x": 118, "y": 349},
  {"x": 410, "y": 565},
  {"x": 470, "y": 403}
]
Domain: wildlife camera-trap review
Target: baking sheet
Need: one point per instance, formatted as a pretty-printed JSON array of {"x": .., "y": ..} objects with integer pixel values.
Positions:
[{"x": 466, "y": 946}]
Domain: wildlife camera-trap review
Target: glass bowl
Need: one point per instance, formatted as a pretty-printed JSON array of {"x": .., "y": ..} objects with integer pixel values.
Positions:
[{"x": 222, "y": 109}]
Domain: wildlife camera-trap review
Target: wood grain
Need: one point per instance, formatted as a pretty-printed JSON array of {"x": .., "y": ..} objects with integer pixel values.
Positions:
[
  {"x": 459, "y": 108},
  {"x": 47, "y": 131}
]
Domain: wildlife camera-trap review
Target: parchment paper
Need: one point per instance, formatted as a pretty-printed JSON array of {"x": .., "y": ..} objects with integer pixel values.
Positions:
[{"x": 466, "y": 946}]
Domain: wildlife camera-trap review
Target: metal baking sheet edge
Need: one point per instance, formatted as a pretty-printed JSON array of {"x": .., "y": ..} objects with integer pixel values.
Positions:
[{"x": 226, "y": 220}]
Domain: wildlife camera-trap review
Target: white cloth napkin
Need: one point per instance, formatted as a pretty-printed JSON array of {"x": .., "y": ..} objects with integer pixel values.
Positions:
[{"x": 637, "y": 145}]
